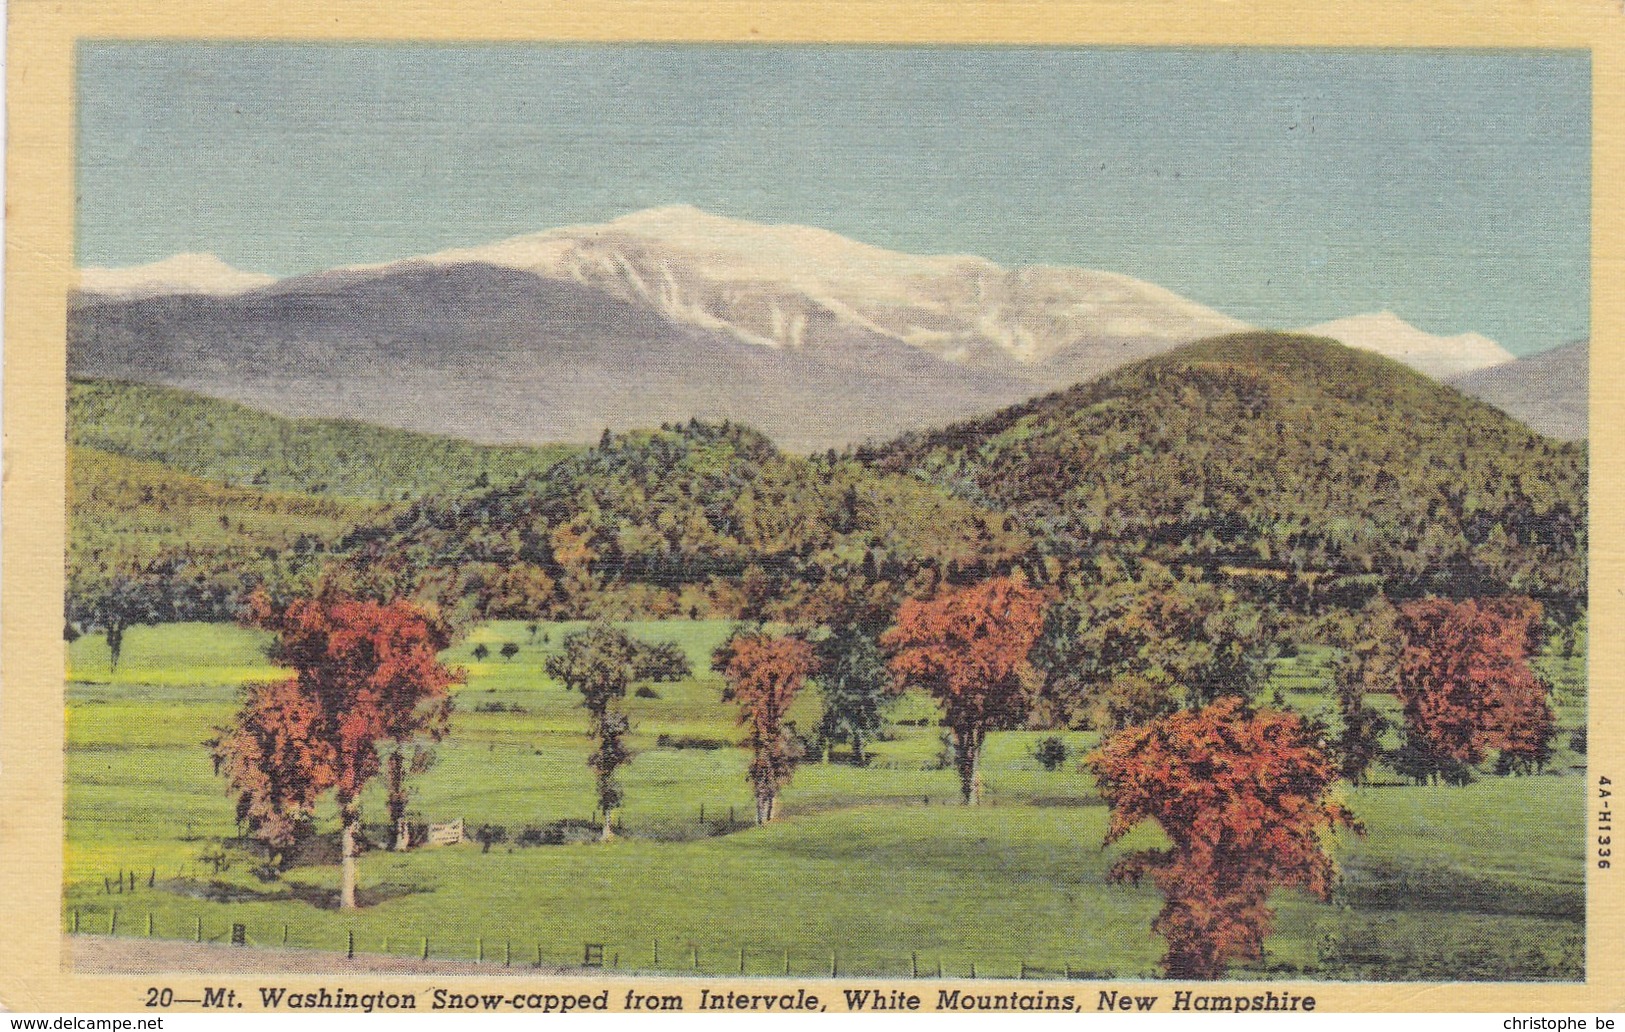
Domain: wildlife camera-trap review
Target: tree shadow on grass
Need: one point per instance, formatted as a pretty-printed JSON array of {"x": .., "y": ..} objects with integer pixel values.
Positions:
[{"x": 314, "y": 895}]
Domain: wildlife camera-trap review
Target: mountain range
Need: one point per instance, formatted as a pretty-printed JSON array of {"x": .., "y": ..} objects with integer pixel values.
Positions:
[
  {"x": 659, "y": 316},
  {"x": 1549, "y": 391}
]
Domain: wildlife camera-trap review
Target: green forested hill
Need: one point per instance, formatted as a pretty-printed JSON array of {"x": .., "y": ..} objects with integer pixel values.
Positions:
[
  {"x": 694, "y": 519},
  {"x": 193, "y": 544},
  {"x": 1310, "y": 471},
  {"x": 237, "y": 445},
  {"x": 1279, "y": 454}
]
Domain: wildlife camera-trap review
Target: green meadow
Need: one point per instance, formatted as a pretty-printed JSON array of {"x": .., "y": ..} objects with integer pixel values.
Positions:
[{"x": 875, "y": 870}]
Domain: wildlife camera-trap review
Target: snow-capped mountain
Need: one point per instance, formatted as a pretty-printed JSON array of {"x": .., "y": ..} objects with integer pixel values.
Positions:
[{"x": 660, "y": 315}]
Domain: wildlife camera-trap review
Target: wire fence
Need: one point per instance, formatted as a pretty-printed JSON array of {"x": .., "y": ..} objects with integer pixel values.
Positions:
[{"x": 656, "y": 956}]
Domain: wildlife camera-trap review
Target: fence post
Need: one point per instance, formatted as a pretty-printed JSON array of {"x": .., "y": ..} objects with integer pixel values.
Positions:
[
  {"x": 152, "y": 879},
  {"x": 657, "y": 954},
  {"x": 696, "y": 950},
  {"x": 425, "y": 947},
  {"x": 702, "y": 815},
  {"x": 198, "y": 931},
  {"x": 833, "y": 968},
  {"x": 132, "y": 881},
  {"x": 349, "y": 943},
  {"x": 973, "y": 969},
  {"x": 914, "y": 963},
  {"x": 284, "y": 933},
  {"x": 112, "y": 923},
  {"x": 538, "y": 954},
  {"x": 741, "y": 960},
  {"x": 479, "y": 947},
  {"x": 786, "y": 962},
  {"x": 76, "y": 920},
  {"x": 107, "y": 885},
  {"x": 149, "y": 924}
]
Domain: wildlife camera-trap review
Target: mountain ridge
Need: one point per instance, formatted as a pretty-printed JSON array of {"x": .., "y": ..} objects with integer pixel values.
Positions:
[
  {"x": 1549, "y": 391},
  {"x": 661, "y": 315}
]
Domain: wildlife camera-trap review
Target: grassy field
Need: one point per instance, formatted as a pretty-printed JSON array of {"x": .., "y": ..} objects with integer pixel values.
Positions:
[{"x": 875, "y": 869}]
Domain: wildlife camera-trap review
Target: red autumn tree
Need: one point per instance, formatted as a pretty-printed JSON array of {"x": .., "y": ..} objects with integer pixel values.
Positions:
[
  {"x": 1466, "y": 682},
  {"x": 1242, "y": 797},
  {"x": 764, "y": 676},
  {"x": 268, "y": 755},
  {"x": 365, "y": 673},
  {"x": 968, "y": 647}
]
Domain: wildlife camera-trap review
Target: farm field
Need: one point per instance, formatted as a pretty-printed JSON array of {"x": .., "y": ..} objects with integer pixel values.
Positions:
[{"x": 876, "y": 870}]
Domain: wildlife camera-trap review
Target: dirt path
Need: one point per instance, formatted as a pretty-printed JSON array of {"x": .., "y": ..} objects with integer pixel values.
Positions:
[{"x": 101, "y": 954}]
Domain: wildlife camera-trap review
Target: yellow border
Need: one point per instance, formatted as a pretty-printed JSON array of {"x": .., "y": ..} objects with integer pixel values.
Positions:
[{"x": 39, "y": 251}]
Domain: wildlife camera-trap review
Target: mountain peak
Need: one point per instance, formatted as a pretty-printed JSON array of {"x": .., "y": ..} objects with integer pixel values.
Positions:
[
  {"x": 803, "y": 288},
  {"x": 187, "y": 273}
]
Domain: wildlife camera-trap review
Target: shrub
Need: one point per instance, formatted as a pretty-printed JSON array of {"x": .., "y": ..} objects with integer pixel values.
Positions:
[
  {"x": 1051, "y": 752},
  {"x": 666, "y": 741},
  {"x": 663, "y": 661}
]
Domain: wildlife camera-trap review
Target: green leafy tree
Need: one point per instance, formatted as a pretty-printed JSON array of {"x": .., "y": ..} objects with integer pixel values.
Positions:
[
  {"x": 1367, "y": 663},
  {"x": 601, "y": 662},
  {"x": 1123, "y": 649},
  {"x": 856, "y": 688},
  {"x": 125, "y": 602}
]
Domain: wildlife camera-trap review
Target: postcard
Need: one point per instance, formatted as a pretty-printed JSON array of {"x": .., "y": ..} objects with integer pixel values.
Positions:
[{"x": 812, "y": 508}]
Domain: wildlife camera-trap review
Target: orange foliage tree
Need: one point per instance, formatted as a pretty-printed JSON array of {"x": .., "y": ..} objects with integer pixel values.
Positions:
[
  {"x": 969, "y": 648},
  {"x": 267, "y": 756},
  {"x": 1466, "y": 683},
  {"x": 764, "y": 676},
  {"x": 1242, "y": 797},
  {"x": 365, "y": 672}
]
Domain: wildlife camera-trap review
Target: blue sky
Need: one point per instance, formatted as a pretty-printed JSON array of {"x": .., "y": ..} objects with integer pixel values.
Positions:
[{"x": 1284, "y": 187}]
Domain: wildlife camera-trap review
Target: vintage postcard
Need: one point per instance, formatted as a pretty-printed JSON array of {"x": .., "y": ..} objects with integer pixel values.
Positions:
[{"x": 831, "y": 507}]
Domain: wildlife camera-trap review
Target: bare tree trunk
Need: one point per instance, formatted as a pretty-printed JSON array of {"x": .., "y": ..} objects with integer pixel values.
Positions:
[
  {"x": 609, "y": 832},
  {"x": 764, "y": 809},
  {"x": 397, "y": 797},
  {"x": 968, "y": 749},
  {"x": 350, "y": 817}
]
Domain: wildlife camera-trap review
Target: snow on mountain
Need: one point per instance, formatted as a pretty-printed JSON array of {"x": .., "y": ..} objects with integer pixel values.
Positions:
[
  {"x": 801, "y": 288},
  {"x": 661, "y": 314},
  {"x": 1389, "y": 335},
  {"x": 180, "y": 274}
]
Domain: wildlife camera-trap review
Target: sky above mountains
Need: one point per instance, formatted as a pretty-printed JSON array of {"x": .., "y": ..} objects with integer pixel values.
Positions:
[{"x": 1282, "y": 187}]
